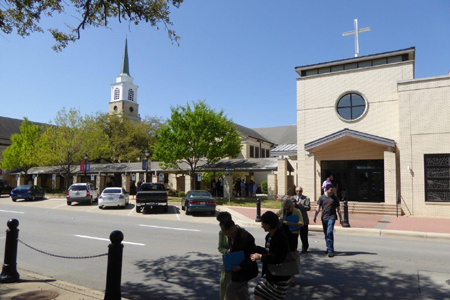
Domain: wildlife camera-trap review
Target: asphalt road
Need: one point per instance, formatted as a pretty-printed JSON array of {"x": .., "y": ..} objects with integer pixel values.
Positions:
[{"x": 174, "y": 256}]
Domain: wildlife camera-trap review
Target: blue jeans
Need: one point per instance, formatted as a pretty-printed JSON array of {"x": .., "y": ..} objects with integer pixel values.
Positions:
[{"x": 328, "y": 227}]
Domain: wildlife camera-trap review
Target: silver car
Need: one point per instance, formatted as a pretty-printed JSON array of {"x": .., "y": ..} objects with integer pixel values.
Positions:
[
  {"x": 113, "y": 196},
  {"x": 81, "y": 192}
]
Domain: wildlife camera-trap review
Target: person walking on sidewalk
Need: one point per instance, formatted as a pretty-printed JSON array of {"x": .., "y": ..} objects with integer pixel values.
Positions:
[
  {"x": 240, "y": 240},
  {"x": 329, "y": 205},
  {"x": 303, "y": 203},
  {"x": 274, "y": 251},
  {"x": 225, "y": 277},
  {"x": 291, "y": 227}
]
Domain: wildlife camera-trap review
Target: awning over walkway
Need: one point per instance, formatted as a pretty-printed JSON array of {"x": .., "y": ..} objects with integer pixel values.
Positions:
[
  {"x": 249, "y": 164},
  {"x": 348, "y": 133},
  {"x": 238, "y": 165}
]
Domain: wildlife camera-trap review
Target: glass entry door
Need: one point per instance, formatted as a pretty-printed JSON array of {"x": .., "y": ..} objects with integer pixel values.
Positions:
[{"x": 357, "y": 180}]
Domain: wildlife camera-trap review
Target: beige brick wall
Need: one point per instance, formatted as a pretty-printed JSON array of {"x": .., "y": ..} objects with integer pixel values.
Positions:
[
  {"x": 317, "y": 97},
  {"x": 282, "y": 184},
  {"x": 425, "y": 129},
  {"x": 390, "y": 177},
  {"x": 272, "y": 190}
]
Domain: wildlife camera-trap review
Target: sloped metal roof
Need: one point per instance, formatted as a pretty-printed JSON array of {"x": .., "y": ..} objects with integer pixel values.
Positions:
[
  {"x": 279, "y": 134},
  {"x": 285, "y": 149},
  {"x": 9, "y": 126},
  {"x": 247, "y": 132},
  {"x": 351, "y": 133}
]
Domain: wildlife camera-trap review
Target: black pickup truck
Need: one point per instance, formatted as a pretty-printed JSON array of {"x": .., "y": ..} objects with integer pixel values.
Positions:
[
  {"x": 151, "y": 195},
  {"x": 4, "y": 188}
]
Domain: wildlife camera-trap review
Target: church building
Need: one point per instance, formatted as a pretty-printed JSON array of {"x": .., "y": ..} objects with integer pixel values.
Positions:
[
  {"x": 124, "y": 92},
  {"x": 383, "y": 134}
]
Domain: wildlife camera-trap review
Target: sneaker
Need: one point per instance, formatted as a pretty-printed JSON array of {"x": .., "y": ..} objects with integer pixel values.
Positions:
[{"x": 331, "y": 254}]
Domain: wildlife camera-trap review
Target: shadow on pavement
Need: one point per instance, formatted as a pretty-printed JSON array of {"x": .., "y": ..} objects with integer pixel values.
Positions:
[
  {"x": 196, "y": 275},
  {"x": 193, "y": 275},
  {"x": 159, "y": 210}
]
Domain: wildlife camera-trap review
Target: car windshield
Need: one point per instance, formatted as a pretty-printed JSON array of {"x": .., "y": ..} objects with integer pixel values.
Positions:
[
  {"x": 23, "y": 187},
  {"x": 112, "y": 191},
  {"x": 152, "y": 187},
  {"x": 199, "y": 194},
  {"x": 78, "y": 187}
]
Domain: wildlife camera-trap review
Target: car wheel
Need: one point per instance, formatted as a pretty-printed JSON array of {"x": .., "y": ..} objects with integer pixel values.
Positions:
[
  {"x": 43, "y": 196},
  {"x": 213, "y": 213},
  {"x": 13, "y": 199},
  {"x": 165, "y": 209},
  {"x": 138, "y": 209},
  {"x": 182, "y": 206},
  {"x": 90, "y": 201},
  {"x": 187, "y": 210},
  {"x": 100, "y": 207},
  {"x": 33, "y": 197},
  {"x": 69, "y": 203}
]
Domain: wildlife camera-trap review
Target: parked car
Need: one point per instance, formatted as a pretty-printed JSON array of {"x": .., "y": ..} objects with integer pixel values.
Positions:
[
  {"x": 81, "y": 192},
  {"x": 198, "y": 201},
  {"x": 113, "y": 196},
  {"x": 152, "y": 195},
  {"x": 5, "y": 188},
  {"x": 28, "y": 192}
]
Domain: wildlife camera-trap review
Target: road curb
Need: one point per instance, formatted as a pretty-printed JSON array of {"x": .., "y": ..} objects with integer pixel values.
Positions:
[
  {"x": 33, "y": 282},
  {"x": 247, "y": 222}
]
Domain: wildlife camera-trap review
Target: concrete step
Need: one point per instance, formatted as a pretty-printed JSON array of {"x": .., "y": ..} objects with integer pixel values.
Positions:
[{"x": 367, "y": 208}]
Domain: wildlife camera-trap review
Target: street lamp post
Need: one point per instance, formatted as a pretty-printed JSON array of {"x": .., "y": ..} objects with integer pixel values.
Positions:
[
  {"x": 85, "y": 161},
  {"x": 147, "y": 155}
]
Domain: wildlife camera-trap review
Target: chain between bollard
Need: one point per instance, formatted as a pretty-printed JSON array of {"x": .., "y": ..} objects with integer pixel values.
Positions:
[{"x": 62, "y": 256}]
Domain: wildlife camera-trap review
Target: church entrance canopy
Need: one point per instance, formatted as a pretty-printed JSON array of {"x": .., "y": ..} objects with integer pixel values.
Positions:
[{"x": 356, "y": 161}]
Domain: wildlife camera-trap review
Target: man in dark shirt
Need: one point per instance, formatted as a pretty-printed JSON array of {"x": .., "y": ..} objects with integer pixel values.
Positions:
[
  {"x": 240, "y": 240},
  {"x": 329, "y": 204}
]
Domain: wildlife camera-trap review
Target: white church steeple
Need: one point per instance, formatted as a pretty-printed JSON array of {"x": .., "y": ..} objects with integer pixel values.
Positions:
[{"x": 124, "y": 92}]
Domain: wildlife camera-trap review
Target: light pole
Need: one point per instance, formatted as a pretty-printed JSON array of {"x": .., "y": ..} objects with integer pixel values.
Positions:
[
  {"x": 147, "y": 155},
  {"x": 85, "y": 161}
]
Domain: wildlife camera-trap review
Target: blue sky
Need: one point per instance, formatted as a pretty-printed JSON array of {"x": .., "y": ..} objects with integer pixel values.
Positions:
[{"x": 238, "y": 56}]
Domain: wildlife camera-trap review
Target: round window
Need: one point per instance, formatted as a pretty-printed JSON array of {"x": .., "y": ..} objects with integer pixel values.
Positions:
[
  {"x": 131, "y": 109},
  {"x": 351, "y": 106},
  {"x": 115, "y": 108}
]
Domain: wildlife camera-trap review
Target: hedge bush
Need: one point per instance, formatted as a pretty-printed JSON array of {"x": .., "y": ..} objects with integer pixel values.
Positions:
[{"x": 264, "y": 187}]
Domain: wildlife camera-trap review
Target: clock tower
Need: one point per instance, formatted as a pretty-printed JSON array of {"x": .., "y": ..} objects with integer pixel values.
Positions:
[{"x": 124, "y": 92}]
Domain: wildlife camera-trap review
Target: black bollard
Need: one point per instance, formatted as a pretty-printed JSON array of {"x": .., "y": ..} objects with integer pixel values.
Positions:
[
  {"x": 9, "y": 270},
  {"x": 345, "y": 222},
  {"x": 114, "y": 270},
  {"x": 258, "y": 210}
]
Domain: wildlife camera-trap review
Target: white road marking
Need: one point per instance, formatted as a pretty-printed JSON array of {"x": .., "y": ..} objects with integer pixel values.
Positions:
[
  {"x": 173, "y": 228},
  {"x": 93, "y": 208},
  {"x": 102, "y": 239},
  {"x": 14, "y": 212},
  {"x": 176, "y": 213},
  {"x": 59, "y": 205},
  {"x": 132, "y": 210}
]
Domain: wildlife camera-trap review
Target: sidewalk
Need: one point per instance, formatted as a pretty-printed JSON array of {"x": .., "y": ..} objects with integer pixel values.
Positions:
[
  {"x": 375, "y": 225},
  {"x": 33, "y": 287}
]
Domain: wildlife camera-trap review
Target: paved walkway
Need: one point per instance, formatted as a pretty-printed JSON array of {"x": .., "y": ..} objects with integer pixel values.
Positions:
[{"x": 431, "y": 228}]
